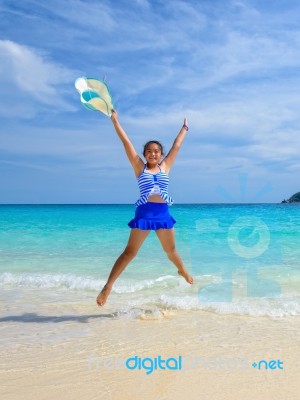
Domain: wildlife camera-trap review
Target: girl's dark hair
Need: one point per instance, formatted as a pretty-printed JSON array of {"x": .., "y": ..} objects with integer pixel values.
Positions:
[{"x": 155, "y": 142}]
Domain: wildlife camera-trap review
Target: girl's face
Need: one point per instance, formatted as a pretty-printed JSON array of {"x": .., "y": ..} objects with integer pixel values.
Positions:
[{"x": 153, "y": 153}]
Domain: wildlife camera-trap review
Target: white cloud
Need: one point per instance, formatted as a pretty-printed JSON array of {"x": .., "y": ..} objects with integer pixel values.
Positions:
[
  {"x": 90, "y": 14},
  {"x": 143, "y": 3},
  {"x": 29, "y": 79}
]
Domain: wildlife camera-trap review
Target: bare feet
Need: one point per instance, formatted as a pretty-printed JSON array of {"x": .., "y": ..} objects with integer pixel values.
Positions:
[
  {"x": 186, "y": 276},
  {"x": 103, "y": 295}
]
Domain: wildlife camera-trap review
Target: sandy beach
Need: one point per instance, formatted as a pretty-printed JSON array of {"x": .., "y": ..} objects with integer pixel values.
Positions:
[{"x": 78, "y": 352}]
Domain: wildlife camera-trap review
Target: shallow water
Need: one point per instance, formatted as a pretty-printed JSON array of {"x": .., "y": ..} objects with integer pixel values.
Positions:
[{"x": 245, "y": 258}]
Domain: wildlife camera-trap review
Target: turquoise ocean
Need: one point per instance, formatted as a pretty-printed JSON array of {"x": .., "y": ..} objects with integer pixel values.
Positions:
[{"x": 245, "y": 258}]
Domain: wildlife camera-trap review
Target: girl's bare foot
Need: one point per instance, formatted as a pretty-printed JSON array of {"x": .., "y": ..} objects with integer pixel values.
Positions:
[
  {"x": 103, "y": 295},
  {"x": 186, "y": 276}
]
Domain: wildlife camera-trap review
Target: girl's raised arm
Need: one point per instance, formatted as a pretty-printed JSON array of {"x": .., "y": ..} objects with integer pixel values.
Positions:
[
  {"x": 134, "y": 158},
  {"x": 172, "y": 154}
]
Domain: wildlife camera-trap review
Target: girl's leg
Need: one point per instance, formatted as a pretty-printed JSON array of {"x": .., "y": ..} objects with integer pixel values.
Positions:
[
  {"x": 167, "y": 240},
  {"x": 136, "y": 239}
]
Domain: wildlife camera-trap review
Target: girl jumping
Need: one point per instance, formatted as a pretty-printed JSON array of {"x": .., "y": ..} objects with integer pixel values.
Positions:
[{"x": 152, "y": 208}]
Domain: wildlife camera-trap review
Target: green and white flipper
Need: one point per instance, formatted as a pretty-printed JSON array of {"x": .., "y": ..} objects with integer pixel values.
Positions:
[{"x": 95, "y": 95}]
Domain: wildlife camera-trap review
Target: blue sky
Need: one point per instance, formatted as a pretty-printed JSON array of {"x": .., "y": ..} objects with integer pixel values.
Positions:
[{"x": 232, "y": 67}]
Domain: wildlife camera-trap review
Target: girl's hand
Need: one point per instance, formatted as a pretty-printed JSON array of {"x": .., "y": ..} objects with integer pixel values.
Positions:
[
  {"x": 185, "y": 124},
  {"x": 114, "y": 116}
]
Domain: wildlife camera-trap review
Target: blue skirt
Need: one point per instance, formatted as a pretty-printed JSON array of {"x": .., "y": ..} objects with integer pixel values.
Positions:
[{"x": 152, "y": 216}]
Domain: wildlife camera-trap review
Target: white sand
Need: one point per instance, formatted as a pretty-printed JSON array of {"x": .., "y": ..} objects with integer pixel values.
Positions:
[{"x": 55, "y": 358}]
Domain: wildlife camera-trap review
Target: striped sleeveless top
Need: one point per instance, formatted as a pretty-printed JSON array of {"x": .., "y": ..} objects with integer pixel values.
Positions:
[{"x": 153, "y": 184}]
